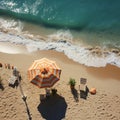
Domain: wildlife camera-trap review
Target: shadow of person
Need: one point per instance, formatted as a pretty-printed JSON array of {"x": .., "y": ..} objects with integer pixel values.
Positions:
[
  {"x": 53, "y": 108},
  {"x": 75, "y": 94},
  {"x": 84, "y": 94},
  {"x": 27, "y": 108}
]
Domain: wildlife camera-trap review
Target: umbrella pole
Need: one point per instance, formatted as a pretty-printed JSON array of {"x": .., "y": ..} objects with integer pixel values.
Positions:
[{"x": 47, "y": 92}]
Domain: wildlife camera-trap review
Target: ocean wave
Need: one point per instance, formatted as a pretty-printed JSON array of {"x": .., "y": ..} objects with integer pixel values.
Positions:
[
  {"x": 92, "y": 15},
  {"x": 11, "y": 25},
  {"x": 86, "y": 55},
  {"x": 61, "y": 34}
]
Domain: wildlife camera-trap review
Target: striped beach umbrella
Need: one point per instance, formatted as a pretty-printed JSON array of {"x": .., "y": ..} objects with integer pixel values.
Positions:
[{"x": 44, "y": 73}]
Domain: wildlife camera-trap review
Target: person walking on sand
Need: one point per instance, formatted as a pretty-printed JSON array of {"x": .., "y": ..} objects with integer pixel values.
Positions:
[{"x": 15, "y": 72}]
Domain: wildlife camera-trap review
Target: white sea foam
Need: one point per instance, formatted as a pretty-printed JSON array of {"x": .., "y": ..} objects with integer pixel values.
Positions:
[
  {"x": 77, "y": 53},
  {"x": 61, "y": 34},
  {"x": 35, "y": 6},
  {"x": 9, "y": 4},
  {"x": 11, "y": 25},
  {"x": 25, "y": 8}
]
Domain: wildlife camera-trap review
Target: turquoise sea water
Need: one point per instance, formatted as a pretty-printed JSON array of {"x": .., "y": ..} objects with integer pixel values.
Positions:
[
  {"x": 81, "y": 22},
  {"x": 78, "y": 14}
]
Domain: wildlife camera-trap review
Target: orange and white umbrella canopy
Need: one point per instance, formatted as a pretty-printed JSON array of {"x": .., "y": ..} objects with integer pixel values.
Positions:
[{"x": 44, "y": 73}]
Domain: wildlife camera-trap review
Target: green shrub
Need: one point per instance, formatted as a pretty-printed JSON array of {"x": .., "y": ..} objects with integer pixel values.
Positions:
[{"x": 72, "y": 82}]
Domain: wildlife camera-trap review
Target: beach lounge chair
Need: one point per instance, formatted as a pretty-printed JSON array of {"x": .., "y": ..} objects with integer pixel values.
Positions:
[
  {"x": 5, "y": 65},
  {"x": 83, "y": 88},
  {"x": 8, "y": 65},
  {"x": 83, "y": 84},
  {"x": 12, "y": 80}
]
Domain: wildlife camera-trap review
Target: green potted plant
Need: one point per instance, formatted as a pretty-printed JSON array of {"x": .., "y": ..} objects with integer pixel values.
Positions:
[{"x": 72, "y": 82}]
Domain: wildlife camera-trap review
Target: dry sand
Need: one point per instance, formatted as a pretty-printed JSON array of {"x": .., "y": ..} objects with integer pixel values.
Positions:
[{"x": 105, "y": 105}]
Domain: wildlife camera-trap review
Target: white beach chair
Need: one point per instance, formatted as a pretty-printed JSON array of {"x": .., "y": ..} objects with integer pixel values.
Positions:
[
  {"x": 12, "y": 80},
  {"x": 83, "y": 88},
  {"x": 83, "y": 84}
]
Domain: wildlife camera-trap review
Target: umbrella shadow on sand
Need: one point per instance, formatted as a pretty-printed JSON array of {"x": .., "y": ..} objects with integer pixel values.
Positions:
[{"x": 53, "y": 108}]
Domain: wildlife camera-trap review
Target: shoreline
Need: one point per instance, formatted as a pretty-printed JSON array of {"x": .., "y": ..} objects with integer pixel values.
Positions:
[
  {"x": 83, "y": 54},
  {"x": 9, "y": 48}
]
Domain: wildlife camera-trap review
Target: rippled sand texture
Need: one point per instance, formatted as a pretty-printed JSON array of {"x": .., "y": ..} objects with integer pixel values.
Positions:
[{"x": 104, "y": 105}]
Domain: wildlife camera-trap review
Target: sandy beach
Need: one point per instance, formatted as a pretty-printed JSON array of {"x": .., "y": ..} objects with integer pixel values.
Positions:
[{"x": 104, "y": 105}]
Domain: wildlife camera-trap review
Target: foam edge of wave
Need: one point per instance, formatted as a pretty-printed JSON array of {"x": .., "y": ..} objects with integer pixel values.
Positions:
[{"x": 87, "y": 55}]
